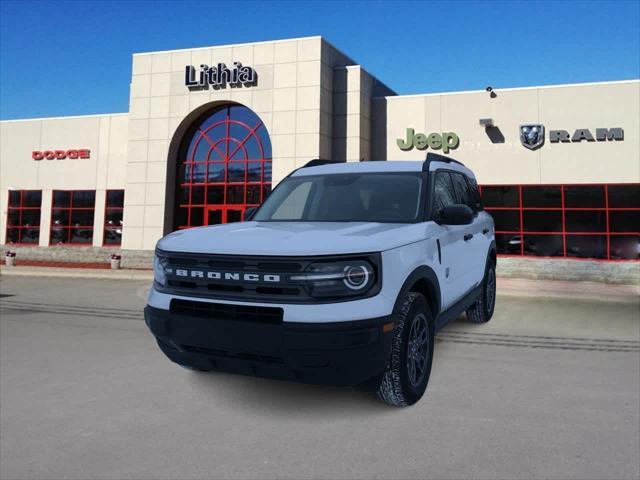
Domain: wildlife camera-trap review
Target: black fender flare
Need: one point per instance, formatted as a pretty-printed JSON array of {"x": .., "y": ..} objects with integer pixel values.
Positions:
[
  {"x": 493, "y": 252},
  {"x": 422, "y": 273}
]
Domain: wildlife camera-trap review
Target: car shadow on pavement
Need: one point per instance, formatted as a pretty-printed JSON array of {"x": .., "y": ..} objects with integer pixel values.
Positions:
[{"x": 282, "y": 398}]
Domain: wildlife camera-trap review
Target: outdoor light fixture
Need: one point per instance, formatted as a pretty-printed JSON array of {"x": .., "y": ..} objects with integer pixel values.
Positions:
[{"x": 486, "y": 122}]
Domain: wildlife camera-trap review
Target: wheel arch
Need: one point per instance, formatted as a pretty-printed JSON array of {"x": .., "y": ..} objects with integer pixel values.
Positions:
[
  {"x": 424, "y": 281},
  {"x": 493, "y": 253}
]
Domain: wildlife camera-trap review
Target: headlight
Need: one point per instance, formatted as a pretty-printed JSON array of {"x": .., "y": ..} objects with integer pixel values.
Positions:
[
  {"x": 337, "y": 279},
  {"x": 160, "y": 270}
]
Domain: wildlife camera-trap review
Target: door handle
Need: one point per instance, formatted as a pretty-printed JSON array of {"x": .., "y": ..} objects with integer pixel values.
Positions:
[
  {"x": 485, "y": 230},
  {"x": 468, "y": 237}
]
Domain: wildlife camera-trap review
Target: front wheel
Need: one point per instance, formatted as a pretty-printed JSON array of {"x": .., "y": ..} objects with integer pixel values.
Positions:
[
  {"x": 406, "y": 376},
  {"x": 482, "y": 310}
]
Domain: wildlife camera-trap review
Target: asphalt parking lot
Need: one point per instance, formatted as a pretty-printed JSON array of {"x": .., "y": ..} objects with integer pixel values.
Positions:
[{"x": 549, "y": 389}]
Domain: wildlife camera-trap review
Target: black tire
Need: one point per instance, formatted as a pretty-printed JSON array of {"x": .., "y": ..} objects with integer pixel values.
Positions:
[
  {"x": 399, "y": 386},
  {"x": 482, "y": 310}
]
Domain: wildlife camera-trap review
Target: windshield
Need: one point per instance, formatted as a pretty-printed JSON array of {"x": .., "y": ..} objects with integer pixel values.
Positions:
[{"x": 350, "y": 197}]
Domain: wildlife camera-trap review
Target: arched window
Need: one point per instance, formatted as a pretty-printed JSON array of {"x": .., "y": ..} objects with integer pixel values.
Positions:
[{"x": 224, "y": 168}]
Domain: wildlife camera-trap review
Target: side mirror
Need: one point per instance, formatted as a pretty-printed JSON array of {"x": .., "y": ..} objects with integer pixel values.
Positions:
[
  {"x": 456, "y": 215},
  {"x": 249, "y": 213}
]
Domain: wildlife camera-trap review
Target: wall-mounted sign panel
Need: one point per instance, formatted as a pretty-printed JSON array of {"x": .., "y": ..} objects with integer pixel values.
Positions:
[
  {"x": 532, "y": 135},
  {"x": 436, "y": 141},
  {"x": 61, "y": 154},
  {"x": 219, "y": 76}
]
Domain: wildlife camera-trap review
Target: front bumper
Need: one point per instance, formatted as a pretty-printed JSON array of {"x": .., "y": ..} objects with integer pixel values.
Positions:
[{"x": 338, "y": 353}]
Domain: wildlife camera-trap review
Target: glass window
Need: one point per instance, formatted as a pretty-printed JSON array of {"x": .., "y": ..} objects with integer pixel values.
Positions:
[
  {"x": 594, "y": 226},
  {"x": 229, "y": 145},
  {"x": 475, "y": 193},
  {"x": 113, "y": 217},
  {"x": 506, "y": 220},
  {"x": 72, "y": 217},
  {"x": 542, "y": 221},
  {"x": 500, "y": 196},
  {"x": 625, "y": 247},
  {"x": 624, "y": 196},
  {"x": 61, "y": 198},
  {"x": 543, "y": 245},
  {"x": 624, "y": 221},
  {"x": 23, "y": 216},
  {"x": 464, "y": 194},
  {"x": 534, "y": 196},
  {"x": 583, "y": 196},
  {"x": 587, "y": 246},
  {"x": 586, "y": 221},
  {"x": 509, "y": 243},
  {"x": 292, "y": 206},
  {"x": 351, "y": 197},
  {"x": 443, "y": 193}
]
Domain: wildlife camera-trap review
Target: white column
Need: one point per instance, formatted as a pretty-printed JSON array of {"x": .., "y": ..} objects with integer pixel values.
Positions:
[
  {"x": 98, "y": 218},
  {"x": 45, "y": 217}
]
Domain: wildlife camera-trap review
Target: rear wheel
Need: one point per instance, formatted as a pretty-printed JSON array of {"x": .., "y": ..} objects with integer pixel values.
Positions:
[
  {"x": 482, "y": 310},
  {"x": 406, "y": 376}
]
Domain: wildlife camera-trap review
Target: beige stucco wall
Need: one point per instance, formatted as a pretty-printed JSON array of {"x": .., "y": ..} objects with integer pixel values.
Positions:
[
  {"x": 104, "y": 135},
  {"x": 567, "y": 107},
  {"x": 293, "y": 97}
]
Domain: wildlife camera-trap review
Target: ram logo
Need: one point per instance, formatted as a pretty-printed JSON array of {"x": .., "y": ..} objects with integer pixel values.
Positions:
[
  {"x": 532, "y": 136},
  {"x": 227, "y": 276}
]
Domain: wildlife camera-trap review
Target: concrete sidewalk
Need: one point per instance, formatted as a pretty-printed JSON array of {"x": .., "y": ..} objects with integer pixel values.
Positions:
[
  {"x": 518, "y": 287},
  {"x": 122, "y": 274}
]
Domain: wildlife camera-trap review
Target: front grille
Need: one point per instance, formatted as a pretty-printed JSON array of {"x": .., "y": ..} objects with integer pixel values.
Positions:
[
  {"x": 280, "y": 291},
  {"x": 259, "y": 268},
  {"x": 223, "y": 311}
]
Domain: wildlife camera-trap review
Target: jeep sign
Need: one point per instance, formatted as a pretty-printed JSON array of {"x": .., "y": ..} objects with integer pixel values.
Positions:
[{"x": 437, "y": 141}]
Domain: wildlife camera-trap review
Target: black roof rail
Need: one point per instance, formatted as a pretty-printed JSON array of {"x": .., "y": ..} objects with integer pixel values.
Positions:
[
  {"x": 316, "y": 162},
  {"x": 435, "y": 157}
]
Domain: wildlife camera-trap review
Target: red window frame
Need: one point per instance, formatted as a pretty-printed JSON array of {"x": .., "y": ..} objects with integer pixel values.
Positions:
[
  {"x": 226, "y": 147},
  {"x": 67, "y": 229},
  {"x": 20, "y": 209},
  {"x": 606, "y": 234},
  {"x": 109, "y": 209}
]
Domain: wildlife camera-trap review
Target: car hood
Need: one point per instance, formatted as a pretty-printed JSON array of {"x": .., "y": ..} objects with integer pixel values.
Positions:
[{"x": 293, "y": 238}]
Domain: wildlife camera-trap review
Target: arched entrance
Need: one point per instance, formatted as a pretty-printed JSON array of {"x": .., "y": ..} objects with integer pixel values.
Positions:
[{"x": 224, "y": 167}]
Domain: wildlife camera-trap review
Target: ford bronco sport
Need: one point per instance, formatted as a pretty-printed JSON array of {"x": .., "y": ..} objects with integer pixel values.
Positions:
[{"x": 342, "y": 276}]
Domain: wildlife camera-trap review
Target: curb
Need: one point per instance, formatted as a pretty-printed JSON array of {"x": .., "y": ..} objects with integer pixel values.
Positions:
[{"x": 122, "y": 274}]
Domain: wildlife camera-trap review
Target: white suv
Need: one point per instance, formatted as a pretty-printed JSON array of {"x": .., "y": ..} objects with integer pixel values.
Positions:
[{"x": 342, "y": 276}]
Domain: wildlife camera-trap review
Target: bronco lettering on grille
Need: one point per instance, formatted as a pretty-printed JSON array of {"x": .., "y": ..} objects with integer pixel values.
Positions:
[{"x": 233, "y": 276}]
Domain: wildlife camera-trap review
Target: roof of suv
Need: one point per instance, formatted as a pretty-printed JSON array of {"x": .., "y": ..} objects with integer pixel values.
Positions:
[{"x": 379, "y": 167}]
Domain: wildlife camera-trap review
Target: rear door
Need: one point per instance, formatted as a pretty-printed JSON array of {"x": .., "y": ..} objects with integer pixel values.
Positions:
[
  {"x": 475, "y": 234},
  {"x": 455, "y": 251}
]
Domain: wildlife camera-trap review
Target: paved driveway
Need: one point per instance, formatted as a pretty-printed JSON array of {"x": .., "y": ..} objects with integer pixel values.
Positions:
[{"x": 548, "y": 389}]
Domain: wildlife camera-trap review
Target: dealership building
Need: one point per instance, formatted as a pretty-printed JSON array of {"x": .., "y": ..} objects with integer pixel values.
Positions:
[{"x": 210, "y": 131}]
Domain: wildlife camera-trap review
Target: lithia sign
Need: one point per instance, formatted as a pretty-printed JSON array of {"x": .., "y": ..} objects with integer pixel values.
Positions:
[{"x": 219, "y": 76}]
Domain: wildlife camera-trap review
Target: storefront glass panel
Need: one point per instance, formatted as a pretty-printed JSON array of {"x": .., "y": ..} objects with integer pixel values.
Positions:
[
  {"x": 23, "y": 217},
  {"x": 580, "y": 221}
]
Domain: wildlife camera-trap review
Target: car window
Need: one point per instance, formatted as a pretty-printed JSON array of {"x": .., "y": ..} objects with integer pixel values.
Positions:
[
  {"x": 444, "y": 193},
  {"x": 393, "y": 197},
  {"x": 475, "y": 193},
  {"x": 463, "y": 192},
  {"x": 292, "y": 206}
]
